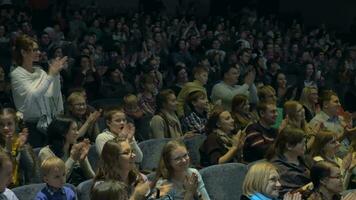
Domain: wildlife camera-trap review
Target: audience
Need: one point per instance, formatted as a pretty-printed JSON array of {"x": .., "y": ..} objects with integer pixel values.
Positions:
[
  {"x": 6, "y": 177},
  {"x": 267, "y": 70}
]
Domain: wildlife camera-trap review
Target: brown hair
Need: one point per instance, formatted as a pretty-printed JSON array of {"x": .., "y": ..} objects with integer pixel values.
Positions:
[
  {"x": 22, "y": 42},
  {"x": 264, "y": 92},
  {"x": 326, "y": 97},
  {"x": 322, "y": 138},
  {"x": 111, "y": 189},
  {"x": 109, "y": 168},
  {"x": 214, "y": 117},
  {"x": 290, "y": 109},
  {"x": 164, "y": 169},
  {"x": 238, "y": 101},
  {"x": 162, "y": 98}
]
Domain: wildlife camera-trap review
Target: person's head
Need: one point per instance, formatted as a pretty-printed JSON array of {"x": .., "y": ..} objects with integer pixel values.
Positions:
[
  {"x": 231, "y": 74},
  {"x": 289, "y": 140},
  {"x": 295, "y": 113},
  {"x": 130, "y": 102},
  {"x": 110, "y": 189},
  {"x": 327, "y": 175},
  {"x": 198, "y": 101},
  {"x": 26, "y": 49},
  {"x": 309, "y": 96},
  {"x": 148, "y": 83},
  {"x": 280, "y": 80},
  {"x": 263, "y": 178},
  {"x": 244, "y": 56},
  {"x": 220, "y": 119},
  {"x": 181, "y": 73},
  {"x": 174, "y": 159},
  {"x": 267, "y": 94},
  {"x": 53, "y": 172},
  {"x": 8, "y": 122},
  {"x": 84, "y": 61},
  {"x": 167, "y": 100},
  {"x": 201, "y": 74},
  {"x": 267, "y": 113},
  {"x": 115, "y": 120},
  {"x": 61, "y": 131},
  {"x": 77, "y": 105},
  {"x": 240, "y": 104},
  {"x": 117, "y": 156},
  {"x": 330, "y": 102},
  {"x": 309, "y": 70},
  {"x": 326, "y": 143}
]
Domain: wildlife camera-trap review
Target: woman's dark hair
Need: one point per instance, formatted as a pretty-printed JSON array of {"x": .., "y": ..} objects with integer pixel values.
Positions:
[
  {"x": 213, "y": 119},
  {"x": 288, "y": 136},
  {"x": 22, "y": 43},
  {"x": 319, "y": 171},
  {"x": 109, "y": 190},
  {"x": 57, "y": 131}
]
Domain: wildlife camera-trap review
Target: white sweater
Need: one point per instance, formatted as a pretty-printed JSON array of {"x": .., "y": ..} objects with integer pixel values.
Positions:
[{"x": 36, "y": 94}]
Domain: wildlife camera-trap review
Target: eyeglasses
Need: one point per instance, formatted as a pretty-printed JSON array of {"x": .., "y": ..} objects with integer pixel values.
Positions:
[
  {"x": 336, "y": 177},
  {"x": 180, "y": 158},
  {"x": 79, "y": 104}
]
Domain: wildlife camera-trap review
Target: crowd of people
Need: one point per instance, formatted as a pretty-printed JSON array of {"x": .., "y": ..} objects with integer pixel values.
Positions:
[{"x": 264, "y": 91}]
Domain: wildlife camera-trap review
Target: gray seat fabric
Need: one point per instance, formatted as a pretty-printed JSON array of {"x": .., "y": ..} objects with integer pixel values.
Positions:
[
  {"x": 224, "y": 182},
  {"x": 93, "y": 157},
  {"x": 193, "y": 144},
  {"x": 84, "y": 189},
  {"x": 29, "y": 192},
  {"x": 151, "y": 150}
]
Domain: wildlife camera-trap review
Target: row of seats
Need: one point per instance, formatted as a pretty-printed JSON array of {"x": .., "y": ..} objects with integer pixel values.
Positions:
[{"x": 226, "y": 186}]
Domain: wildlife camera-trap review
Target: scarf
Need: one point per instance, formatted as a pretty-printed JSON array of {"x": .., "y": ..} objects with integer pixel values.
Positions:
[{"x": 259, "y": 196}]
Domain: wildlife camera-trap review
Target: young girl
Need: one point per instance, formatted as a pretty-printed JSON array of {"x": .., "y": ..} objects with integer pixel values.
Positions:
[
  {"x": 173, "y": 169},
  {"x": 25, "y": 168}
]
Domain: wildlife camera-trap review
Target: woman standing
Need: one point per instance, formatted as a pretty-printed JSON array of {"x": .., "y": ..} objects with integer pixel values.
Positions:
[{"x": 36, "y": 94}]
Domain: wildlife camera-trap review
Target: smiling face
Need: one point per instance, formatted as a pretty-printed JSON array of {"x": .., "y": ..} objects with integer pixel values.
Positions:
[
  {"x": 179, "y": 159},
  {"x": 72, "y": 135},
  {"x": 226, "y": 122},
  {"x": 126, "y": 156},
  {"x": 273, "y": 185},
  {"x": 7, "y": 125}
]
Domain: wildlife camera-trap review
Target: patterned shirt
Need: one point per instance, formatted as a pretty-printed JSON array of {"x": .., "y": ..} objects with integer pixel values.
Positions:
[{"x": 195, "y": 122}]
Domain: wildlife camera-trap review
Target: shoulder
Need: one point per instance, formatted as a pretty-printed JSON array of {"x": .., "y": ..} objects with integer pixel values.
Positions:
[
  {"x": 157, "y": 118},
  {"x": 10, "y": 194},
  {"x": 68, "y": 191}
]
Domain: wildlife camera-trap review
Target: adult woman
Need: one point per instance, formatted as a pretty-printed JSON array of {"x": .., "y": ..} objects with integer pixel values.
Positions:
[
  {"x": 240, "y": 111},
  {"x": 86, "y": 121},
  {"x": 327, "y": 180},
  {"x": 295, "y": 117},
  {"x": 173, "y": 169},
  {"x": 24, "y": 164},
  {"x": 287, "y": 155},
  {"x": 114, "y": 85},
  {"x": 325, "y": 147},
  {"x": 262, "y": 183},
  {"x": 117, "y": 162},
  {"x": 309, "y": 100},
  {"x": 280, "y": 85},
  {"x": 36, "y": 94},
  {"x": 62, "y": 137},
  {"x": 222, "y": 145},
  {"x": 165, "y": 124},
  {"x": 118, "y": 128}
]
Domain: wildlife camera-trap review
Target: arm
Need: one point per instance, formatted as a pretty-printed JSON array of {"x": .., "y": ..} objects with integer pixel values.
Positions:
[
  {"x": 137, "y": 150},
  {"x": 88, "y": 170},
  {"x": 228, "y": 156}
]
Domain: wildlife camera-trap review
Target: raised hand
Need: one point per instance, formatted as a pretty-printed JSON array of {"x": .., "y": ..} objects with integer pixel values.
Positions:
[
  {"x": 22, "y": 139},
  {"x": 191, "y": 183},
  {"x": 141, "y": 190},
  {"x": 75, "y": 152},
  {"x": 239, "y": 138},
  {"x": 94, "y": 116},
  {"x": 85, "y": 146},
  {"x": 349, "y": 196},
  {"x": 57, "y": 65},
  {"x": 128, "y": 131},
  {"x": 292, "y": 196}
]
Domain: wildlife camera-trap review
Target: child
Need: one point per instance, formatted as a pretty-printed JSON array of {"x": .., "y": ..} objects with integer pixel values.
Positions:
[
  {"x": 54, "y": 175},
  {"x": 5, "y": 177}
]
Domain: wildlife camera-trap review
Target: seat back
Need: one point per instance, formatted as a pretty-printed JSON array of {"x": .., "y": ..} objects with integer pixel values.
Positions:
[
  {"x": 193, "y": 144},
  {"x": 29, "y": 192},
  {"x": 224, "y": 182},
  {"x": 84, "y": 189},
  {"x": 151, "y": 150}
]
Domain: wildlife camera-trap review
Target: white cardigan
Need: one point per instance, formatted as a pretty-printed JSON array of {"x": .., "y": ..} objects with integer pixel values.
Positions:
[{"x": 36, "y": 94}]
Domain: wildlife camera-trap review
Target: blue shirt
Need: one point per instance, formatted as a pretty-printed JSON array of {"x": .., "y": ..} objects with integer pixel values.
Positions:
[{"x": 48, "y": 193}]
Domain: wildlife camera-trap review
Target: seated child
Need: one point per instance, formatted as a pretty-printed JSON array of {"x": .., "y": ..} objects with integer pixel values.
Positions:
[
  {"x": 5, "y": 177},
  {"x": 54, "y": 175}
]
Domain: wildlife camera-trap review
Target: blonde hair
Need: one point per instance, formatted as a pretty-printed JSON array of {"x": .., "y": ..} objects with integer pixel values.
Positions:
[
  {"x": 75, "y": 96},
  {"x": 304, "y": 98},
  {"x": 52, "y": 163},
  {"x": 130, "y": 99},
  {"x": 257, "y": 178}
]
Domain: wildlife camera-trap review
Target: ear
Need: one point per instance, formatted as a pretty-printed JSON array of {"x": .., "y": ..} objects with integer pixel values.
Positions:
[
  {"x": 108, "y": 123},
  {"x": 23, "y": 52},
  {"x": 45, "y": 179},
  {"x": 289, "y": 147}
]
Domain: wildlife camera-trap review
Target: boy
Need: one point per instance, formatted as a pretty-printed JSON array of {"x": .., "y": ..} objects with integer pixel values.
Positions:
[{"x": 54, "y": 175}]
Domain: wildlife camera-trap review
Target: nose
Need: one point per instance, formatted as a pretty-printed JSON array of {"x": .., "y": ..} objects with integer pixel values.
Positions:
[
  {"x": 133, "y": 155},
  {"x": 278, "y": 184}
]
